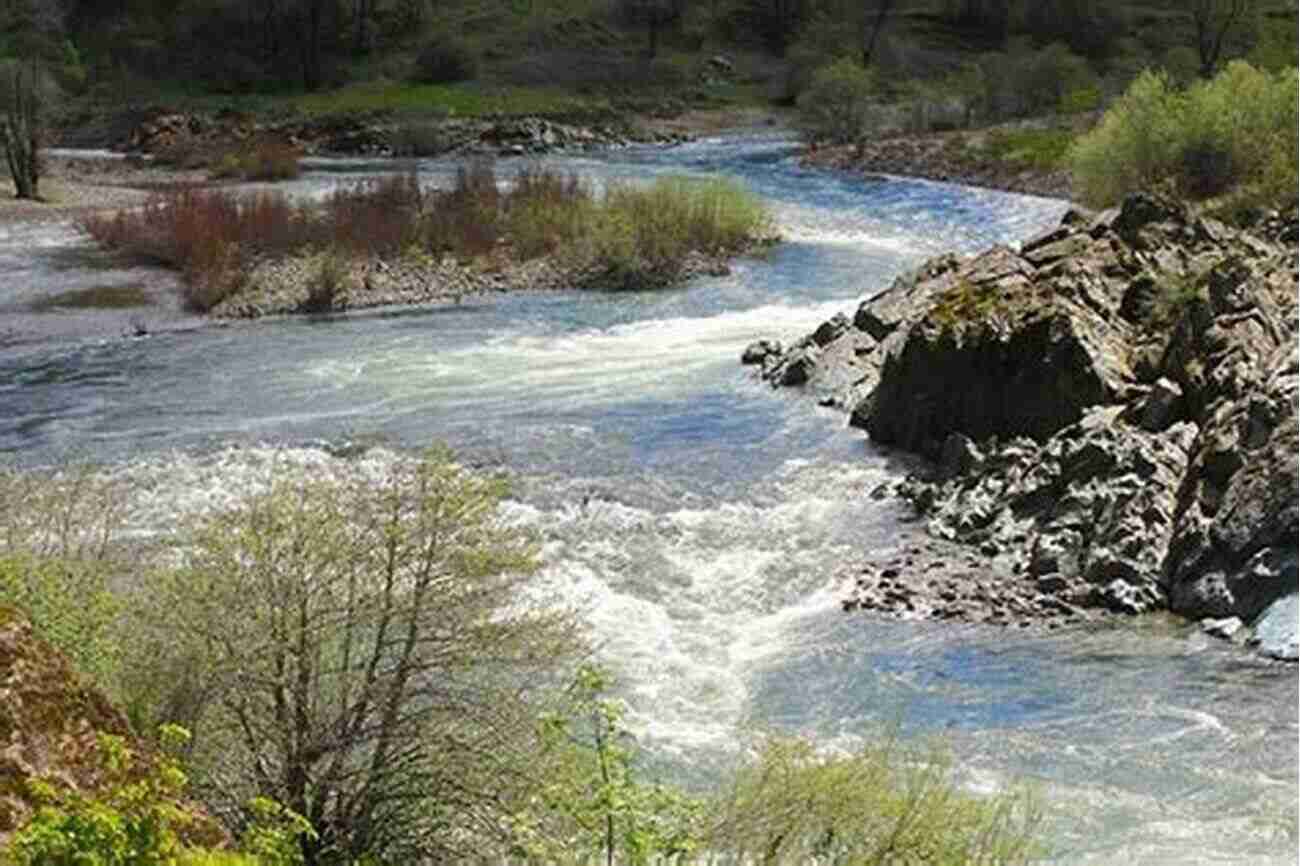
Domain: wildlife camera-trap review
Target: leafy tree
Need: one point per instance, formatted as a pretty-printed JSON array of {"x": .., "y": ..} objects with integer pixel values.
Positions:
[
  {"x": 358, "y": 650},
  {"x": 835, "y": 106}
]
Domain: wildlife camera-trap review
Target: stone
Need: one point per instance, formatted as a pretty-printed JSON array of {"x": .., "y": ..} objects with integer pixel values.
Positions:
[
  {"x": 1161, "y": 406},
  {"x": 1225, "y": 628},
  {"x": 1275, "y": 630},
  {"x": 798, "y": 368},
  {"x": 758, "y": 351},
  {"x": 831, "y": 330}
]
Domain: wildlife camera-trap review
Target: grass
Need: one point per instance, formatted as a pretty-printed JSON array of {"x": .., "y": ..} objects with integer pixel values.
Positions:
[
  {"x": 631, "y": 237},
  {"x": 967, "y": 303},
  {"x": 1044, "y": 149},
  {"x": 469, "y": 99},
  {"x": 95, "y": 298},
  {"x": 268, "y": 160}
]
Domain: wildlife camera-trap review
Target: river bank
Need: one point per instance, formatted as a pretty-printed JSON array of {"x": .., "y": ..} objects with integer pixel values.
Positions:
[
  {"x": 1020, "y": 156},
  {"x": 1108, "y": 415}
]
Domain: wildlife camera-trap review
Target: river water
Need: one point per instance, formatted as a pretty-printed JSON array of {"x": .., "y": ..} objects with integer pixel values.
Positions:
[{"x": 698, "y": 519}]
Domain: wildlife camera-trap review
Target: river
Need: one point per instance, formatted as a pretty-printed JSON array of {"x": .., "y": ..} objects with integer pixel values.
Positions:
[{"x": 699, "y": 519}]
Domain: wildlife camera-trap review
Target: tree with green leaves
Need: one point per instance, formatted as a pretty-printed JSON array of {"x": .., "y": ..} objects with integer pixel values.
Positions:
[
  {"x": 359, "y": 651},
  {"x": 836, "y": 105}
]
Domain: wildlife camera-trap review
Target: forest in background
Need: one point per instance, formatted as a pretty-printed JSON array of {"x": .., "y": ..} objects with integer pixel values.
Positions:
[{"x": 258, "y": 53}]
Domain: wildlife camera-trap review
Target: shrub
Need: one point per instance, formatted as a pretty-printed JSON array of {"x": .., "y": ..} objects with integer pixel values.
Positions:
[
  {"x": 1133, "y": 146},
  {"x": 643, "y": 235},
  {"x": 444, "y": 60},
  {"x": 881, "y": 804},
  {"x": 593, "y": 805},
  {"x": 267, "y": 160},
  {"x": 1039, "y": 148},
  {"x": 209, "y": 235},
  {"x": 835, "y": 105},
  {"x": 1233, "y": 135},
  {"x": 70, "y": 604},
  {"x": 137, "y": 816},
  {"x": 330, "y": 274},
  {"x": 426, "y": 138},
  {"x": 57, "y": 561}
]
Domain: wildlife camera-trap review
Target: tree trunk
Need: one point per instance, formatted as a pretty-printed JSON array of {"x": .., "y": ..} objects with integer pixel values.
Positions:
[
  {"x": 20, "y": 129},
  {"x": 869, "y": 46}
]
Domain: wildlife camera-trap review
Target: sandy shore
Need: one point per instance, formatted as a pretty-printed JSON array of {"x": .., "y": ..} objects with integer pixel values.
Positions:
[{"x": 72, "y": 187}]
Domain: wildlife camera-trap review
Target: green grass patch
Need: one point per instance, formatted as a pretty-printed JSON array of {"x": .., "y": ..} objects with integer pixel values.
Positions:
[
  {"x": 94, "y": 298},
  {"x": 1044, "y": 149}
]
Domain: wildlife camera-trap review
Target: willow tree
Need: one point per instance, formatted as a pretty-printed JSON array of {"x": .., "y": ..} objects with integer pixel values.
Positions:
[{"x": 359, "y": 651}]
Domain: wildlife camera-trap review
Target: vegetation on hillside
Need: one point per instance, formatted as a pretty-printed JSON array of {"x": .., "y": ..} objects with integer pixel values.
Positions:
[{"x": 361, "y": 681}]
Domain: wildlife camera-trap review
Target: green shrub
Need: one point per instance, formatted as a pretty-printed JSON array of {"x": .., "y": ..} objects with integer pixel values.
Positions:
[
  {"x": 593, "y": 805},
  {"x": 1232, "y": 135},
  {"x": 267, "y": 160},
  {"x": 137, "y": 816},
  {"x": 444, "y": 60},
  {"x": 1038, "y": 148},
  {"x": 835, "y": 105},
  {"x": 70, "y": 604},
  {"x": 643, "y": 235},
  {"x": 330, "y": 273},
  {"x": 1134, "y": 145},
  {"x": 882, "y": 804}
]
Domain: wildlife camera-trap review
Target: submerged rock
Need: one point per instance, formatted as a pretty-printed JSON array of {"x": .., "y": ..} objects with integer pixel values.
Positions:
[{"x": 1110, "y": 411}]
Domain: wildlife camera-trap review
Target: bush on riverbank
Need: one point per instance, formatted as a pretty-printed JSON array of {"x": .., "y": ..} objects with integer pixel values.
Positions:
[
  {"x": 884, "y": 803},
  {"x": 266, "y": 161},
  {"x": 1233, "y": 136},
  {"x": 630, "y": 237}
]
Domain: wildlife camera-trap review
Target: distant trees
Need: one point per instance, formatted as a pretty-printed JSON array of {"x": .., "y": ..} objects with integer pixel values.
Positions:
[
  {"x": 1214, "y": 21},
  {"x": 654, "y": 16}
]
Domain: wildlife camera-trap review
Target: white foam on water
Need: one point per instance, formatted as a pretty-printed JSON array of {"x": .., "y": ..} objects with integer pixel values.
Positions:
[{"x": 645, "y": 359}]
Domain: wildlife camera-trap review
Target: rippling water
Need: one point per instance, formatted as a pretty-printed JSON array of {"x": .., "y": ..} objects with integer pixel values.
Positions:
[{"x": 694, "y": 515}]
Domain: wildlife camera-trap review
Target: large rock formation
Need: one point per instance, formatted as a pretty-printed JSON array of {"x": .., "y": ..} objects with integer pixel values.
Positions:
[{"x": 1110, "y": 410}]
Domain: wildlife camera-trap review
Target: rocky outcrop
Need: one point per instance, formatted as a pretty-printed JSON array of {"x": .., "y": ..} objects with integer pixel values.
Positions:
[{"x": 1108, "y": 412}]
